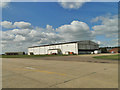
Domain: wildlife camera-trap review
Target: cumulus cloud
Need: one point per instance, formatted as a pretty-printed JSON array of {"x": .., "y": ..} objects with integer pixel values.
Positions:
[
  {"x": 7, "y": 36},
  {"x": 77, "y": 30},
  {"x": 4, "y": 3},
  {"x": 7, "y": 24},
  {"x": 70, "y": 4},
  {"x": 20, "y": 38},
  {"x": 21, "y": 24},
  {"x": 108, "y": 27},
  {"x": 49, "y": 28},
  {"x": 109, "y": 43}
]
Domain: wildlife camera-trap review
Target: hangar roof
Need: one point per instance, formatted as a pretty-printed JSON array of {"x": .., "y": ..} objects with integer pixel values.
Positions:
[{"x": 83, "y": 41}]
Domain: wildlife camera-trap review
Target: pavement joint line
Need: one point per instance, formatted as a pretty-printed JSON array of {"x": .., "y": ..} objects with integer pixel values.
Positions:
[
  {"x": 48, "y": 72},
  {"x": 72, "y": 79}
]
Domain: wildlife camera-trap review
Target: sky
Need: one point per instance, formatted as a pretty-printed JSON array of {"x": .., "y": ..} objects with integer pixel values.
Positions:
[{"x": 26, "y": 24}]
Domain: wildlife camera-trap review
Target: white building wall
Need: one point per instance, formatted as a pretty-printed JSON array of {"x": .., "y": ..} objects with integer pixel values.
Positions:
[
  {"x": 30, "y": 50},
  {"x": 36, "y": 50},
  {"x": 42, "y": 50},
  {"x": 70, "y": 47},
  {"x": 46, "y": 49}
]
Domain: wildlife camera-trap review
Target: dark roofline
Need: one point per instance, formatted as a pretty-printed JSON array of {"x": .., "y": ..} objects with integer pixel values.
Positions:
[
  {"x": 14, "y": 52},
  {"x": 60, "y": 43}
]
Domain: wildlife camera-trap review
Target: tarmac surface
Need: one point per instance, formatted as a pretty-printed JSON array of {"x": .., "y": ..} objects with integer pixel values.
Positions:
[{"x": 59, "y": 72}]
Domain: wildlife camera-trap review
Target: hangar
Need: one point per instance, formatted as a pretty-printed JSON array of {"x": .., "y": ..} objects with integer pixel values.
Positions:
[{"x": 77, "y": 47}]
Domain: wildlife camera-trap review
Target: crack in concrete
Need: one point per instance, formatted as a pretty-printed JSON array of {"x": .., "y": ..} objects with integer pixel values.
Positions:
[{"x": 54, "y": 85}]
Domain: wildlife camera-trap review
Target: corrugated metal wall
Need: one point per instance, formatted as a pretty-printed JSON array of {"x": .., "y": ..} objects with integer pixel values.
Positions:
[
  {"x": 81, "y": 47},
  {"x": 87, "y": 45},
  {"x": 70, "y": 47}
]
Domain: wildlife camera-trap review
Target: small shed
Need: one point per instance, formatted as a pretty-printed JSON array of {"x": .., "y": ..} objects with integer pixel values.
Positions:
[
  {"x": 114, "y": 50},
  {"x": 15, "y": 53}
]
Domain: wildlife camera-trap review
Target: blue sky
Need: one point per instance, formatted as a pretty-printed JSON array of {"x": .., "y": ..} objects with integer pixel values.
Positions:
[
  {"x": 42, "y": 13},
  {"x": 35, "y": 23}
]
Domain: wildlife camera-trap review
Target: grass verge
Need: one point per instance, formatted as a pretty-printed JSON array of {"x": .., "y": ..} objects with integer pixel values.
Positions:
[
  {"x": 108, "y": 57},
  {"x": 27, "y": 56}
]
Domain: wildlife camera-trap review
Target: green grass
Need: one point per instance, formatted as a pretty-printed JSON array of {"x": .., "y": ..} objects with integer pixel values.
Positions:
[
  {"x": 27, "y": 56},
  {"x": 108, "y": 57}
]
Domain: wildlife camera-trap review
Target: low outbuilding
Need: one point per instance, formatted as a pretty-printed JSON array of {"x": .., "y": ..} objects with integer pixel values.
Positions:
[
  {"x": 15, "y": 53},
  {"x": 115, "y": 50}
]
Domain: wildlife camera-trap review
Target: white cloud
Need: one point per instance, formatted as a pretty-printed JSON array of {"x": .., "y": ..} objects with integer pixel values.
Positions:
[
  {"x": 49, "y": 28},
  {"x": 70, "y": 4},
  {"x": 22, "y": 24},
  {"x": 19, "y": 39},
  {"x": 4, "y": 3},
  {"x": 64, "y": 3},
  {"x": 109, "y": 43},
  {"x": 77, "y": 30},
  {"x": 97, "y": 41},
  {"x": 108, "y": 27},
  {"x": 7, "y": 24},
  {"x": 7, "y": 36},
  {"x": 22, "y": 32}
]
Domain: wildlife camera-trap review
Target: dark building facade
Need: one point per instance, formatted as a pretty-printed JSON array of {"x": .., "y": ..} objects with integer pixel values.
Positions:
[
  {"x": 15, "y": 53},
  {"x": 86, "y": 47}
]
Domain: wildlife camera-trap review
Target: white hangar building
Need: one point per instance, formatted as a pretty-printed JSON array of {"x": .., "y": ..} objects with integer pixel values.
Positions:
[{"x": 77, "y": 47}]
